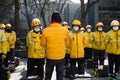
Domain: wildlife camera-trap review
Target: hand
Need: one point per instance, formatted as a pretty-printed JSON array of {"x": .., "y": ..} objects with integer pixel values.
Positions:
[{"x": 3, "y": 56}]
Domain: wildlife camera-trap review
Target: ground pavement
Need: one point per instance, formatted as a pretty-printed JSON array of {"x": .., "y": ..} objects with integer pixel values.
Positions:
[{"x": 20, "y": 73}]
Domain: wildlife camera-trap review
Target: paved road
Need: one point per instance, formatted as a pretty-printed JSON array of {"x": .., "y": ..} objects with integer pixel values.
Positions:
[{"x": 20, "y": 73}]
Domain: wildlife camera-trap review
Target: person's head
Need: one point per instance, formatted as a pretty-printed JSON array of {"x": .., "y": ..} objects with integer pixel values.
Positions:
[
  {"x": 64, "y": 24},
  {"x": 56, "y": 17},
  {"x": 88, "y": 28},
  {"x": 99, "y": 26},
  {"x": 8, "y": 27},
  {"x": 115, "y": 24},
  {"x": 76, "y": 25},
  {"x": 36, "y": 24},
  {"x": 2, "y": 26},
  {"x": 82, "y": 29}
]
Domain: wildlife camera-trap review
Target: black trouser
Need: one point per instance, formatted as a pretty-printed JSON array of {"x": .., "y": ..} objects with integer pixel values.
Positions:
[
  {"x": 99, "y": 55},
  {"x": 6, "y": 59},
  {"x": 80, "y": 62},
  {"x": 31, "y": 67},
  {"x": 0, "y": 64},
  {"x": 67, "y": 59},
  {"x": 50, "y": 64},
  {"x": 12, "y": 53},
  {"x": 113, "y": 60},
  {"x": 88, "y": 53},
  {"x": 9, "y": 57}
]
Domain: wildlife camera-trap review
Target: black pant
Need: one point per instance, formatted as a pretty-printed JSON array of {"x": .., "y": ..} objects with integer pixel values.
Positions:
[
  {"x": 59, "y": 64},
  {"x": 114, "y": 60},
  {"x": 80, "y": 62},
  {"x": 9, "y": 57},
  {"x": 88, "y": 53},
  {"x": 6, "y": 59},
  {"x": 31, "y": 70},
  {"x": 0, "y": 65},
  {"x": 67, "y": 59},
  {"x": 99, "y": 55}
]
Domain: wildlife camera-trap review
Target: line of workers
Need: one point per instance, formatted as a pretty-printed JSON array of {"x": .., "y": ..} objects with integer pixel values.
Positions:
[
  {"x": 7, "y": 47},
  {"x": 58, "y": 43}
]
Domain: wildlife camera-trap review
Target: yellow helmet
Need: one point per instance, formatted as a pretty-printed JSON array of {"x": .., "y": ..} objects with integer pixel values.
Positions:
[
  {"x": 115, "y": 23},
  {"x": 2, "y": 26},
  {"x": 64, "y": 23},
  {"x": 88, "y": 26},
  {"x": 99, "y": 24},
  {"x": 76, "y": 22},
  {"x": 8, "y": 25},
  {"x": 82, "y": 29},
  {"x": 36, "y": 22}
]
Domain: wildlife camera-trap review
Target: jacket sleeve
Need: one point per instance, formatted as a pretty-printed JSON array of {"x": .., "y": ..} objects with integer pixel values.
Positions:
[
  {"x": 68, "y": 40},
  {"x": 43, "y": 40},
  {"x": 107, "y": 39}
]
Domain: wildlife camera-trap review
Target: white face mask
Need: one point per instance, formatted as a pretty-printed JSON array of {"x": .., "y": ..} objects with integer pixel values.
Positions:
[
  {"x": 100, "y": 28},
  {"x": 88, "y": 30},
  {"x": 115, "y": 28},
  {"x": 37, "y": 29},
  {"x": 76, "y": 28}
]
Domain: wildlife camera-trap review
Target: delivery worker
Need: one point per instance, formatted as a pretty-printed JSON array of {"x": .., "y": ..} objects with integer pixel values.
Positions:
[
  {"x": 64, "y": 24},
  {"x": 3, "y": 47},
  {"x": 36, "y": 52},
  {"x": 98, "y": 41},
  {"x": 77, "y": 49},
  {"x": 113, "y": 48},
  {"x": 54, "y": 39},
  {"x": 88, "y": 44},
  {"x": 11, "y": 39},
  {"x": 82, "y": 29}
]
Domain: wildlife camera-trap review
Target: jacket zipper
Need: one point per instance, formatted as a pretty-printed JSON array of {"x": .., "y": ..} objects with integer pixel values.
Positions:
[
  {"x": 77, "y": 43},
  {"x": 100, "y": 39},
  {"x": 117, "y": 40}
]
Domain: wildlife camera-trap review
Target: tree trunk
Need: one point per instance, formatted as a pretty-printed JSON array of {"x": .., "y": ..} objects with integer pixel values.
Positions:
[
  {"x": 17, "y": 20},
  {"x": 83, "y": 16},
  {"x": 27, "y": 15},
  {"x": 43, "y": 18}
]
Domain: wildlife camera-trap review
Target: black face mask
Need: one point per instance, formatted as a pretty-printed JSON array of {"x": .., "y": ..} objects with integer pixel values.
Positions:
[{"x": 8, "y": 30}]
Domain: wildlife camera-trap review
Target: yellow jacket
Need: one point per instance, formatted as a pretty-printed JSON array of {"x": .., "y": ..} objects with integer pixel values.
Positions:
[
  {"x": 3, "y": 42},
  {"x": 54, "y": 39},
  {"x": 98, "y": 40},
  {"x": 77, "y": 45},
  {"x": 12, "y": 39},
  {"x": 35, "y": 50},
  {"x": 113, "y": 42},
  {"x": 88, "y": 42}
]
